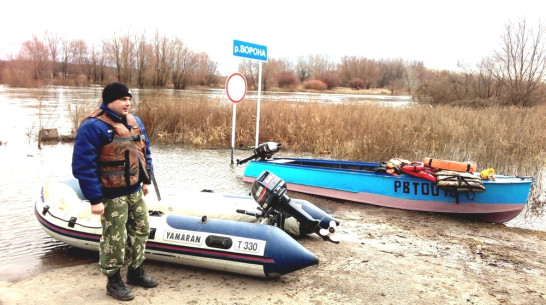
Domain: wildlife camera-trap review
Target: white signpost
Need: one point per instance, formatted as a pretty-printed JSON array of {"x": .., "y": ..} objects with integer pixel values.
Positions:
[
  {"x": 236, "y": 91},
  {"x": 257, "y": 52}
]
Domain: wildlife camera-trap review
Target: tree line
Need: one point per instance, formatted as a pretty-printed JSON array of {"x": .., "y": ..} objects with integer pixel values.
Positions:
[
  {"x": 320, "y": 73},
  {"x": 163, "y": 62},
  {"x": 133, "y": 59},
  {"x": 512, "y": 75}
]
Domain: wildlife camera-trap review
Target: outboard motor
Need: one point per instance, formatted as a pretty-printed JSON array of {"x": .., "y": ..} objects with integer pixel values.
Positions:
[
  {"x": 269, "y": 191},
  {"x": 263, "y": 151}
]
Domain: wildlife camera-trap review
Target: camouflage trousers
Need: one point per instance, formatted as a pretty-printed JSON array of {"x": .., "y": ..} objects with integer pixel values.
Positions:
[{"x": 125, "y": 230}]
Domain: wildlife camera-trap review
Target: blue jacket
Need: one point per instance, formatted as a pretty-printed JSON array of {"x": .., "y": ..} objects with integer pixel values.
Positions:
[{"x": 92, "y": 135}]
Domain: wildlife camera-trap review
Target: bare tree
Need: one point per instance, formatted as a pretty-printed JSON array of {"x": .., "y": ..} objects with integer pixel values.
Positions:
[
  {"x": 127, "y": 58},
  {"x": 412, "y": 75},
  {"x": 53, "y": 44},
  {"x": 348, "y": 69},
  {"x": 36, "y": 53},
  {"x": 79, "y": 55},
  {"x": 95, "y": 66},
  {"x": 112, "y": 49},
  {"x": 120, "y": 50},
  {"x": 143, "y": 59},
  {"x": 66, "y": 57},
  {"x": 249, "y": 68},
  {"x": 319, "y": 64},
  {"x": 271, "y": 69},
  {"x": 393, "y": 72},
  {"x": 183, "y": 64},
  {"x": 486, "y": 85},
  {"x": 353, "y": 68},
  {"x": 302, "y": 69},
  {"x": 206, "y": 70},
  {"x": 521, "y": 64},
  {"x": 161, "y": 64}
]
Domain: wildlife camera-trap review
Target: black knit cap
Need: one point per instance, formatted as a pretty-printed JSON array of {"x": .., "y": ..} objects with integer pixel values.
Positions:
[{"x": 114, "y": 91}]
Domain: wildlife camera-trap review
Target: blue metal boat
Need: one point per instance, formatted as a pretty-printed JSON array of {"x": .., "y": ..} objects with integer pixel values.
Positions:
[{"x": 503, "y": 199}]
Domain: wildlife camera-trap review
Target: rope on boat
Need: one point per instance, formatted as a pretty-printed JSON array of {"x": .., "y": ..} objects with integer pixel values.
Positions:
[{"x": 71, "y": 222}]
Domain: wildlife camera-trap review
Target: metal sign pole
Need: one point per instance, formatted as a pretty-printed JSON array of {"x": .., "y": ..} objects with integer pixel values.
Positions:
[
  {"x": 258, "y": 108},
  {"x": 233, "y": 131}
]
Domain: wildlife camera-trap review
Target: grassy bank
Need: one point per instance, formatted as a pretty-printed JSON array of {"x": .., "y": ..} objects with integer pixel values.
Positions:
[{"x": 510, "y": 140}]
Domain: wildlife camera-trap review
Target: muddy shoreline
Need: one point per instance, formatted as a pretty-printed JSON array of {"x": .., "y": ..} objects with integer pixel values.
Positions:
[{"x": 386, "y": 256}]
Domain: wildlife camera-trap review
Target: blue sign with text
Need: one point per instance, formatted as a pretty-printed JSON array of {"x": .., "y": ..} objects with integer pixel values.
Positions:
[{"x": 249, "y": 50}]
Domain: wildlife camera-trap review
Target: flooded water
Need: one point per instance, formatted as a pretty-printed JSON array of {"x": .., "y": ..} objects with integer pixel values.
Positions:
[
  {"x": 331, "y": 98},
  {"x": 26, "y": 249}
]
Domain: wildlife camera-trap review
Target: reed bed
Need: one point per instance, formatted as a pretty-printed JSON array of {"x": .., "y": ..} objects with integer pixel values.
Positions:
[{"x": 511, "y": 140}]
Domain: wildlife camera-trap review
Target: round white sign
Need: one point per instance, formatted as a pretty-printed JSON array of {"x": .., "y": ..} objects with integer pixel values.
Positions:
[{"x": 236, "y": 87}]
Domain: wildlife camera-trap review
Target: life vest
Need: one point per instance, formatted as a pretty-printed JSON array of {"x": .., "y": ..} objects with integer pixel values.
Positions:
[
  {"x": 459, "y": 181},
  {"x": 392, "y": 166},
  {"x": 418, "y": 169},
  {"x": 123, "y": 160},
  {"x": 468, "y": 166}
]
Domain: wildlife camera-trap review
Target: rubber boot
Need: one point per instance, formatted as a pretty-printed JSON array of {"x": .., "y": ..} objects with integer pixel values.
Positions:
[
  {"x": 116, "y": 289},
  {"x": 136, "y": 276}
]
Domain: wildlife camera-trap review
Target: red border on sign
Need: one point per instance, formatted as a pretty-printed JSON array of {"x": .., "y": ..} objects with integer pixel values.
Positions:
[{"x": 227, "y": 82}]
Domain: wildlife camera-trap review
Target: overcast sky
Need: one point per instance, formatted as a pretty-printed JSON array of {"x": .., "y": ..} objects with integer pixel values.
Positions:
[{"x": 439, "y": 33}]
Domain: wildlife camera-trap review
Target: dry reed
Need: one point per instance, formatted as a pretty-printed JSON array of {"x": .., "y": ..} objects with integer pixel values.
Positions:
[{"x": 511, "y": 140}]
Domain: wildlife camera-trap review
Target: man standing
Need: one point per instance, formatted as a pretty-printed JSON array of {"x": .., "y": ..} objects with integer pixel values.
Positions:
[{"x": 112, "y": 163}]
